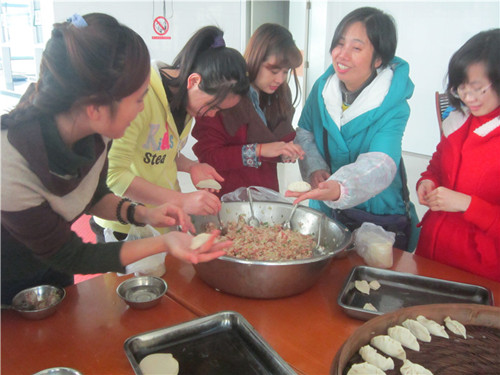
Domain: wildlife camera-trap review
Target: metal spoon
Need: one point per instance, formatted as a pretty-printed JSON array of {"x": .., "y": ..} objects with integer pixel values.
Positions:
[
  {"x": 252, "y": 221},
  {"x": 286, "y": 224},
  {"x": 222, "y": 228}
]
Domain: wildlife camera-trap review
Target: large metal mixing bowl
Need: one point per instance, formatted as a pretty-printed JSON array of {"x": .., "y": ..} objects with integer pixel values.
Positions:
[{"x": 261, "y": 279}]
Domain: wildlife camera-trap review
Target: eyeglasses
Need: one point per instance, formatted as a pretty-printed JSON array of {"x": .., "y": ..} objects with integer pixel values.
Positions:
[{"x": 461, "y": 92}]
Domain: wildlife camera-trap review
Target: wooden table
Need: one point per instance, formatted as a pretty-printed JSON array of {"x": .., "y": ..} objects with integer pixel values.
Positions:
[
  {"x": 308, "y": 329},
  {"x": 88, "y": 331}
]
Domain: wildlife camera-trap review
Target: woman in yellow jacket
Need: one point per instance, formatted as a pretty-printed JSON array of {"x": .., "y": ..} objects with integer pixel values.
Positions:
[{"x": 205, "y": 77}]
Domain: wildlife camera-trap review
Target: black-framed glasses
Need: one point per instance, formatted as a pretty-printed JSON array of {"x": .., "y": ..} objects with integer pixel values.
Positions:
[{"x": 461, "y": 92}]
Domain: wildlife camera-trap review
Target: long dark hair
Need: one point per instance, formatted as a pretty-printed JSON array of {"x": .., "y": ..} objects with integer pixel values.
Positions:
[
  {"x": 483, "y": 47},
  {"x": 268, "y": 40},
  {"x": 100, "y": 64},
  {"x": 222, "y": 69},
  {"x": 380, "y": 29}
]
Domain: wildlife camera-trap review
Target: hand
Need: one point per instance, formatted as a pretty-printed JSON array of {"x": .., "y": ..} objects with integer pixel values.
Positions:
[
  {"x": 200, "y": 202},
  {"x": 447, "y": 200},
  {"x": 165, "y": 215},
  {"x": 204, "y": 171},
  {"x": 179, "y": 243},
  {"x": 423, "y": 189},
  {"x": 326, "y": 191},
  {"x": 318, "y": 176},
  {"x": 288, "y": 151}
]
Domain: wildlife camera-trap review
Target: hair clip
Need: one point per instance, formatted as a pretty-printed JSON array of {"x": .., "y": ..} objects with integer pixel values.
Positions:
[
  {"x": 77, "y": 21},
  {"x": 218, "y": 42}
]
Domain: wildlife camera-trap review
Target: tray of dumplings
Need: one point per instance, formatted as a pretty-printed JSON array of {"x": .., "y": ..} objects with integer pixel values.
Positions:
[
  {"x": 445, "y": 339},
  {"x": 369, "y": 292},
  {"x": 218, "y": 344}
]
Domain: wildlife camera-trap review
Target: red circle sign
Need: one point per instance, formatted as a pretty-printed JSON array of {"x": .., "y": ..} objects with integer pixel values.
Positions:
[{"x": 160, "y": 25}]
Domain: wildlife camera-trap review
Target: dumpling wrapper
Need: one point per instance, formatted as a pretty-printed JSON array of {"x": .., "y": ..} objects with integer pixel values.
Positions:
[
  {"x": 364, "y": 368},
  {"x": 369, "y": 306},
  {"x": 199, "y": 240},
  {"x": 209, "y": 184},
  {"x": 410, "y": 368},
  {"x": 373, "y": 357},
  {"x": 362, "y": 286},
  {"x": 404, "y": 336},
  {"x": 418, "y": 329},
  {"x": 434, "y": 328},
  {"x": 299, "y": 186},
  {"x": 456, "y": 327},
  {"x": 159, "y": 364},
  {"x": 389, "y": 346},
  {"x": 374, "y": 284}
]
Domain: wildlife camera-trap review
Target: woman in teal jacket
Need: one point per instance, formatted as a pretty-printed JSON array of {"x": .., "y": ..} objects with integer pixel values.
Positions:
[{"x": 352, "y": 126}]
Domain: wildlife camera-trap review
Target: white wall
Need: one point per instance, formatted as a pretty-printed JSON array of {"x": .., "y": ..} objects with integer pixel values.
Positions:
[
  {"x": 184, "y": 17},
  {"x": 428, "y": 34}
]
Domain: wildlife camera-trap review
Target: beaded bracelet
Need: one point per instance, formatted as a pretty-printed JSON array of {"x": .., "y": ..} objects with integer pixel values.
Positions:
[
  {"x": 119, "y": 211},
  {"x": 131, "y": 213}
]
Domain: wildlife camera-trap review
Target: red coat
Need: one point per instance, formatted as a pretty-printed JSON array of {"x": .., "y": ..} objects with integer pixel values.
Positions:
[
  {"x": 220, "y": 140},
  {"x": 467, "y": 160}
]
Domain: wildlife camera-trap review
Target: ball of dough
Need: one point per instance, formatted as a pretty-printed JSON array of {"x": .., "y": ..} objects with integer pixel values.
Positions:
[{"x": 159, "y": 364}]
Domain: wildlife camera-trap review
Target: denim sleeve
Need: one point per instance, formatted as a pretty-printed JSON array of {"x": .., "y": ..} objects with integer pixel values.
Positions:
[{"x": 313, "y": 159}]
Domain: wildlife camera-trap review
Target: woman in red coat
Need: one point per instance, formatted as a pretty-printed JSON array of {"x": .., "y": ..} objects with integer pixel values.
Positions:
[
  {"x": 461, "y": 185},
  {"x": 244, "y": 143}
]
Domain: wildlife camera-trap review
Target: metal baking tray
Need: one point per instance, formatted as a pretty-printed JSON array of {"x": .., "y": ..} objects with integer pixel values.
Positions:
[
  {"x": 218, "y": 344},
  {"x": 400, "y": 290}
]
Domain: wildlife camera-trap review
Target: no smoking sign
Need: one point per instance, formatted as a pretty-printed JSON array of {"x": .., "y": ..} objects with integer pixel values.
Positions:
[{"x": 160, "y": 27}]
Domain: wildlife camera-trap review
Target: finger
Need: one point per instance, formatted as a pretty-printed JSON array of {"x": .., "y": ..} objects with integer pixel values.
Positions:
[
  {"x": 207, "y": 245},
  {"x": 206, "y": 257},
  {"x": 290, "y": 193}
]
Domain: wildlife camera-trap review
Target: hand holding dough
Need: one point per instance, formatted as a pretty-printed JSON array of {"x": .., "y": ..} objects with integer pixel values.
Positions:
[
  {"x": 299, "y": 186},
  {"x": 199, "y": 240}
]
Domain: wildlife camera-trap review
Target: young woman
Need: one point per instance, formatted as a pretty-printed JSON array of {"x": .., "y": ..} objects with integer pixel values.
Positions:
[
  {"x": 93, "y": 78},
  {"x": 245, "y": 142},
  {"x": 352, "y": 126},
  {"x": 460, "y": 186},
  {"x": 204, "y": 78}
]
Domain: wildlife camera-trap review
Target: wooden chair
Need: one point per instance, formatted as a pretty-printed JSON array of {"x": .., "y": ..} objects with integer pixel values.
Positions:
[{"x": 442, "y": 103}]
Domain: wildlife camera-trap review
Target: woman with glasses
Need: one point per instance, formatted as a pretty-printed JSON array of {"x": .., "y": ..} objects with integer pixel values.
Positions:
[
  {"x": 461, "y": 185},
  {"x": 246, "y": 142}
]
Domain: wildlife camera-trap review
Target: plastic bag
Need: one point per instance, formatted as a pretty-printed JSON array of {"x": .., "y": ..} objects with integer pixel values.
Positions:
[
  {"x": 374, "y": 245},
  {"x": 153, "y": 265},
  {"x": 259, "y": 193}
]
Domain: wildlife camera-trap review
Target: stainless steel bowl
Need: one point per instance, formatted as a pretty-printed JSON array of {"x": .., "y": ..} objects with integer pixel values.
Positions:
[
  {"x": 261, "y": 279},
  {"x": 142, "y": 292},
  {"x": 38, "y": 302},
  {"x": 59, "y": 371}
]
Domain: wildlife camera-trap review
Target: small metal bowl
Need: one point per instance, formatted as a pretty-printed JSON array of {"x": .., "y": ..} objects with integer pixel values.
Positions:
[
  {"x": 38, "y": 302},
  {"x": 59, "y": 371},
  {"x": 142, "y": 292}
]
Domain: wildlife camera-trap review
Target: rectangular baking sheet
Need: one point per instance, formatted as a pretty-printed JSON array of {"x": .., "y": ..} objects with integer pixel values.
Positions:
[
  {"x": 400, "y": 290},
  {"x": 218, "y": 344}
]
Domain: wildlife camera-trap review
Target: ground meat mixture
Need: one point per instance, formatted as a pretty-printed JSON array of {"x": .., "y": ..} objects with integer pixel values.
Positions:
[{"x": 267, "y": 242}]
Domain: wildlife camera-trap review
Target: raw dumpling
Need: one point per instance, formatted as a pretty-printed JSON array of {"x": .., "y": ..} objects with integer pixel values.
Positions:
[
  {"x": 362, "y": 286},
  {"x": 456, "y": 327},
  {"x": 369, "y": 306},
  {"x": 389, "y": 346},
  {"x": 370, "y": 355},
  {"x": 364, "y": 369},
  {"x": 418, "y": 330},
  {"x": 410, "y": 368},
  {"x": 159, "y": 364},
  {"x": 299, "y": 186},
  {"x": 404, "y": 336},
  {"x": 374, "y": 284},
  {"x": 209, "y": 184},
  {"x": 433, "y": 327},
  {"x": 199, "y": 240}
]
